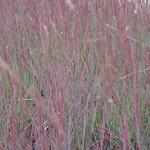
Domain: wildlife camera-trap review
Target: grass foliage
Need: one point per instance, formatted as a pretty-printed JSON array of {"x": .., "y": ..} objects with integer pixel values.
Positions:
[{"x": 74, "y": 75}]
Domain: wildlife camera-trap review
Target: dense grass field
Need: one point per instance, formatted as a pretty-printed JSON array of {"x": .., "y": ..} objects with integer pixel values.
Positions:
[{"x": 74, "y": 75}]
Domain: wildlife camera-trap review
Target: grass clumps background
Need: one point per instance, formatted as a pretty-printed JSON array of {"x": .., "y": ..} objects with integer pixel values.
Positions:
[{"x": 74, "y": 75}]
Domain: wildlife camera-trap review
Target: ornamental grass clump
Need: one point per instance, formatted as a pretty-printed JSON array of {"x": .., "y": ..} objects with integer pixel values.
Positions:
[{"x": 74, "y": 74}]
